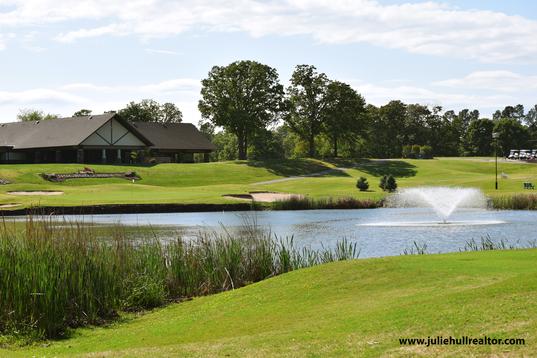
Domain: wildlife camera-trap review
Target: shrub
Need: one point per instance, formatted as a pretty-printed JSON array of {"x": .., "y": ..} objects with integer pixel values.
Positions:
[
  {"x": 362, "y": 184},
  {"x": 426, "y": 152},
  {"x": 407, "y": 151},
  {"x": 391, "y": 184},
  {"x": 383, "y": 181},
  {"x": 388, "y": 183},
  {"x": 415, "y": 151}
]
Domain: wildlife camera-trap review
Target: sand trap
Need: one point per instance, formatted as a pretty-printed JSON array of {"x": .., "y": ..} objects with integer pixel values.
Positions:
[
  {"x": 28, "y": 193},
  {"x": 7, "y": 206},
  {"x": 264, "y": 197}
]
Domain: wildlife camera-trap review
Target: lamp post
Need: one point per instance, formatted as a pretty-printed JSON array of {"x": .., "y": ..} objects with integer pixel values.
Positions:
[{"x": 495, "y": 136}]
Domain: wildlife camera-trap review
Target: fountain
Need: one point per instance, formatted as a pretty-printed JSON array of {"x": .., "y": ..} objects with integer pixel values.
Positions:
[{"x": 443, "y": 201}]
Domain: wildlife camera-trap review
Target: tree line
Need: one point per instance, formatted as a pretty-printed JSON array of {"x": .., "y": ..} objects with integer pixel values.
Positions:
[
  {"x": 248, "y": 114},
  {"x": 319, "y": 117}
]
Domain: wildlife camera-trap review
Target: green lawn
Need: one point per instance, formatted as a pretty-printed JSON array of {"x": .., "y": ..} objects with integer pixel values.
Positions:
[
  {"x": 352, "y": 308},
  {"x": 207, "y": 182}
]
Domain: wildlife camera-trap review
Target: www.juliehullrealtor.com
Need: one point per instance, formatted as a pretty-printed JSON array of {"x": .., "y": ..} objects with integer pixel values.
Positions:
[{"x": 462, "y": 340}]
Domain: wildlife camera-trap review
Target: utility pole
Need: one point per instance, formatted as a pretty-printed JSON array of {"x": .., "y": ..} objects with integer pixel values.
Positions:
[{"x": 495, "y": 136}]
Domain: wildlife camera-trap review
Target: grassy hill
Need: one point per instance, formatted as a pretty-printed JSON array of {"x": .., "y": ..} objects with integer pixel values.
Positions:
[
  {"x": 207, "y": 182},
  {"x": 358, "y": 308}
]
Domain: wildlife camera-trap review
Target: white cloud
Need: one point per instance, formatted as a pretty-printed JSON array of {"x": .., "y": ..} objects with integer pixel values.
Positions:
[
  {"x": 162, "y": 52},
  {"x": 88, "y": 33},
  {"x": 66, "y": 99},
  {"x": 503, "y": 81},
  {"x": 39, "y": 95},
  {"x": 431, "y": 28},
  {"x": 379, "y": 94},
  {"x": 4, "y": 38}
]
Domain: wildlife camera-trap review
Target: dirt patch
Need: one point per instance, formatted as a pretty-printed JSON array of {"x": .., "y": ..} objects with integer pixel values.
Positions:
[
  {"x": 36, "y": 192},
  {"x": 8, "y": 206},
  {"x": 264, "y": 197}
]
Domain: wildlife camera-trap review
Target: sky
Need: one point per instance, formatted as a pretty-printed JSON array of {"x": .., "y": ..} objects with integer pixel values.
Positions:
[{"x": 60, "y": 56}]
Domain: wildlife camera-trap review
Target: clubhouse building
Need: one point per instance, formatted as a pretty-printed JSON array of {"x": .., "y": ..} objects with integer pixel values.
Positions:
[{"x": 104, "y": 138}]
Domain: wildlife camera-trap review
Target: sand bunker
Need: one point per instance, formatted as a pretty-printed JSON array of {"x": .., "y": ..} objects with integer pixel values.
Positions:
[
  {"x": 7, "y": 206},
  {"x": 264, "y": 197},
  {"x": 28, "y": 193}
]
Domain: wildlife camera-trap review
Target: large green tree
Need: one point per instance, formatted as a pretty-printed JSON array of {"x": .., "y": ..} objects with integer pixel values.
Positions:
[
  {"x": 242, "y": 97},
  {"x": 511, "y": 134},
  {"x": 148, "y": 110},
  {"x": 344, "y": 114},
  {"x": 386, "y": 130},
  {"x": 478, "y": 138},
  {"x": 307, "y": 101}
]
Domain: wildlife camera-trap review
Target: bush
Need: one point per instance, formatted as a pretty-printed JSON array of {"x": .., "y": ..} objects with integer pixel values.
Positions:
[
  {"x": 407, "y": 151},
  {"x": 383, "y": 181},
  {"x": 362, "y": 184},
  {"x": 415, "y": 152},
  {"x": 391, "y": 184},
  {"x": 388, "y": 183},
  {"x": 426, "y": 152}
]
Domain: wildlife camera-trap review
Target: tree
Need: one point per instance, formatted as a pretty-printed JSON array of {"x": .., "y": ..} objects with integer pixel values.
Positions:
[
  {"x": 515, "y": 112},
  {"x": 387, "y": 125},
  {"x": 531, "y": 122},
  {"x": 243, "y": 97},
  {"x": 148, "y": 110},
  {"x": 362, "y": 184},
  {"x": 344, "y": 113},
  {"x": 478, "y": 138},
  {"x": 511, "y": 134},
  {"x": 170, "y": 113},
  {"x": 26, "y": 115},
  {"x": 307, "y": 101},
  {"x": 391, "y": 184},
  {"x": 82, "y": 113},
  {"x": 388, "y": 183}
]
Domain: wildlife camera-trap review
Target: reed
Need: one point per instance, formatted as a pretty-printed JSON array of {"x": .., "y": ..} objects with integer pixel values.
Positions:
[
  {"x": 515, "y": 202},
  {"x": 304, "y": 203},
  {"x": 55, "y": 274}
]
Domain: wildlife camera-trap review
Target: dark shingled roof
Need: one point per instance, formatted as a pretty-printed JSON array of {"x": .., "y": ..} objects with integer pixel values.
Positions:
[
  {"x": 69, "y": 132},
  {"x": 174, "y": 136},
  {"x": 62, "y": 132}
]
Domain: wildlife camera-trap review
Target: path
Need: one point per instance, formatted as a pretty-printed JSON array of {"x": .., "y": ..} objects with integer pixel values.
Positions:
[{"x": 317, "y": 174}]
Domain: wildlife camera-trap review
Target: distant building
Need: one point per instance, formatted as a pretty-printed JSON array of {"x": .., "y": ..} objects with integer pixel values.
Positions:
[{"x": 104, "y": 138}]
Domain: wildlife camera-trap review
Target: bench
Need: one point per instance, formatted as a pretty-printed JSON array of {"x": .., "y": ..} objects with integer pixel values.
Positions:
[{"x": 529, "y": 186}]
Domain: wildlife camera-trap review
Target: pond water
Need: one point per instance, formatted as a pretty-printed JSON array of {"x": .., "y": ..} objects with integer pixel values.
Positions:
[{"x": 378, "y": 232}]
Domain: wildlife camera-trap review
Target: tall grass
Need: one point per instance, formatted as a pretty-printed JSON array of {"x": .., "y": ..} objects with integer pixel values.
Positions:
[
  {"x": 56, "y": 275},
  {"x": 515, "y": 202},
  {"x": 304, "y": 203}
]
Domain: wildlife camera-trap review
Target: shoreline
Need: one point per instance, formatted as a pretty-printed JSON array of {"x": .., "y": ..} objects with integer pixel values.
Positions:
[
  {"x": 175, "y": 208},
  {"x": 130, "y": 209},
  {"x": 512, "y": 202}
]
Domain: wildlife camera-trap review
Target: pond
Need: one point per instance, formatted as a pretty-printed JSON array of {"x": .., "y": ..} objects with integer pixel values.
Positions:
[{"x": 377, "y": 232}]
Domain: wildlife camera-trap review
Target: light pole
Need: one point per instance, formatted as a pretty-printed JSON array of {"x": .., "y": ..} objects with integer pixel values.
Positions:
[{"x": 495, "y": 136}]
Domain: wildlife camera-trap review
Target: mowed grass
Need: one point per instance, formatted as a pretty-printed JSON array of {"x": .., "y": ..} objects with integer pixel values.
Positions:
[
  {"x": 349, "y": 308},
  {"x": 208, "y": 182}
]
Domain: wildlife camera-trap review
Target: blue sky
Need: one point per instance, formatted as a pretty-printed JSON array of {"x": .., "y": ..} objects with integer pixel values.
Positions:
[{"x": 60, "y": 56}]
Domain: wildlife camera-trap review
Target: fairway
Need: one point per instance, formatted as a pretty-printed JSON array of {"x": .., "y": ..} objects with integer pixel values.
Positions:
[
  {"x": 358, "y": 308},
  {"x": 207, "y": 183}
]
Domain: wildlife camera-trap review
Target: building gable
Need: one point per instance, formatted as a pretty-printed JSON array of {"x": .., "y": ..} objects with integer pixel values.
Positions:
[{"x": 113, "y": 133}]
